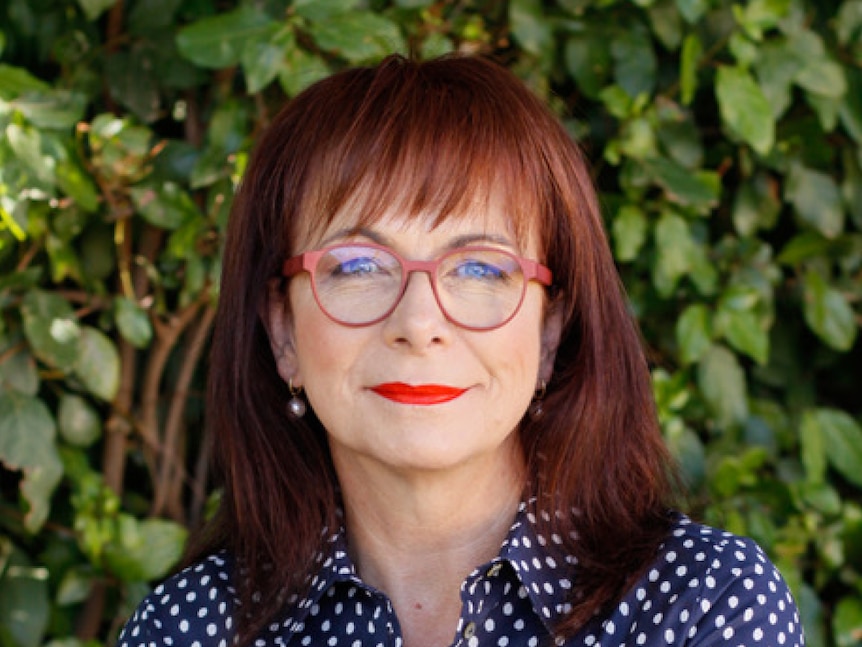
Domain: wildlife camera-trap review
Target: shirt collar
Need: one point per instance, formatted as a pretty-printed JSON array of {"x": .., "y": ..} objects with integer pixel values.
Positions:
[{"x": 539, "y": 563}]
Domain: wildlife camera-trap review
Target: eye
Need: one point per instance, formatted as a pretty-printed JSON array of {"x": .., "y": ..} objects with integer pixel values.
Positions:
[
  {"x": 357, "y": 266},
  {"x": 479, "y": 270}
]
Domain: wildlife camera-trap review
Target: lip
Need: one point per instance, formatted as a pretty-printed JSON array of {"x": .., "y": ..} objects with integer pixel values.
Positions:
[{"x": 421, "y": 394}]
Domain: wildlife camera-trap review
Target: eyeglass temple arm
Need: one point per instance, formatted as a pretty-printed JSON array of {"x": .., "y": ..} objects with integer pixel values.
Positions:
[
  {"x": 538, "y": 272},
  {"x": 296, "y": 264}
]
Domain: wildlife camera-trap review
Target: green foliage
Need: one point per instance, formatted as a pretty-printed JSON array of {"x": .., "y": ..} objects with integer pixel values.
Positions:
[{"x": 727, "y": 143}]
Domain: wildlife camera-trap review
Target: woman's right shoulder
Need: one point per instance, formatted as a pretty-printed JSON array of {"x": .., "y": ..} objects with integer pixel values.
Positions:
[{"x": 194, "y": 605}]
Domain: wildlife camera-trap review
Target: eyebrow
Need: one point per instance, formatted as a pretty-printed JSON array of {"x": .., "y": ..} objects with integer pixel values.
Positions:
[{"x": 456, "y": 243}]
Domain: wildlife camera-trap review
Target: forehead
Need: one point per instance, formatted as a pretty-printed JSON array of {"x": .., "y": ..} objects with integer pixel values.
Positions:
[{"x": 486, "y": 218}]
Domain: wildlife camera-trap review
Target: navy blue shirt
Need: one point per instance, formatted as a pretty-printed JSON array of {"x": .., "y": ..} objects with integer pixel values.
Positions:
[{"x": 705, "y": 587}]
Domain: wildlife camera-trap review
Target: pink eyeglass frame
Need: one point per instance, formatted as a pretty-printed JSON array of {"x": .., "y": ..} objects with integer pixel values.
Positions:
[{"x": 307, "y": 261}]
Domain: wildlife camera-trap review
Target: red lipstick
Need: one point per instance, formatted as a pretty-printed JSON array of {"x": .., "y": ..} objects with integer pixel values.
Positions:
[{"x": 423, "y": 394}]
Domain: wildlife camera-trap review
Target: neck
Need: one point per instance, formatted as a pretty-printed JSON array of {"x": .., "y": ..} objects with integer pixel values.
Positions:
[{"x": 416, "y": 537}]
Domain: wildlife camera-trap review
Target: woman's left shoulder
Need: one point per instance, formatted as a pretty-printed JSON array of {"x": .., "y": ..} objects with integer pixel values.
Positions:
[
  {"x": 719, "y": 587},
  {"x": 715, "y": 555}
]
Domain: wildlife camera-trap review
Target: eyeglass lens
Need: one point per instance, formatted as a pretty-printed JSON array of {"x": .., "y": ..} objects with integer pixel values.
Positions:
[{"x": 476, "y": 288}]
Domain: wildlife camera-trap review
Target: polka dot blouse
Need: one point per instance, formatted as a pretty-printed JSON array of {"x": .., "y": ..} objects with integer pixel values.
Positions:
[{"x": 706, "y": 587}]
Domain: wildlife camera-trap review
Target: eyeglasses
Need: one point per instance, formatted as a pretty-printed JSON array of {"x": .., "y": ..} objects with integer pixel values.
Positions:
[{"x": 478, "y": 288}]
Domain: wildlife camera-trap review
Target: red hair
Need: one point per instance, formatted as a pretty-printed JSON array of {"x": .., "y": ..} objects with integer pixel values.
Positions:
[{"x": 432, "y": 136}]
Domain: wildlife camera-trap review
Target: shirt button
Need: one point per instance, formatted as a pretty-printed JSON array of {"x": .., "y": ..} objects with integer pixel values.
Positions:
[
  {"x": 494, "y": 570},
  {"x": 470, "y": 630}
]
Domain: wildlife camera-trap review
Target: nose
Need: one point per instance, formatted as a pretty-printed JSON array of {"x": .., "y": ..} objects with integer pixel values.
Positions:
[{"x": 418, "y": 321}]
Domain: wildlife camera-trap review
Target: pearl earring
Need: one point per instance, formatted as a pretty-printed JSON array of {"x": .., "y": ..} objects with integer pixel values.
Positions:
[
  {"x": 296, "y": 405},
  {"x": 535, "y": 411}
]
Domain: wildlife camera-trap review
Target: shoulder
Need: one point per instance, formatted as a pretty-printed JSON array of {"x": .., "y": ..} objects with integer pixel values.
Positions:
[
  {"x": 194, "y": 606},
  {"x": 715, "y": 587}
]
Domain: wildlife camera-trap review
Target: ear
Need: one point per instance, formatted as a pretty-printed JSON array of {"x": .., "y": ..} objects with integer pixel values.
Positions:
[
  {"x": 279, "y": 328},
  {"x": 552, "y": 330}
]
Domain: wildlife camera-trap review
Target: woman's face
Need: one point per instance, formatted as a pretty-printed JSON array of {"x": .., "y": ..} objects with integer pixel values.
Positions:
[{"x": 374, "y": 388}]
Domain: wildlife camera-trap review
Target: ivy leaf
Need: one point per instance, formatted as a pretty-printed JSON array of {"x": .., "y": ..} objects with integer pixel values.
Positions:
[
  {"x": 322, "y": 10},
  {"x": 744, "y": 108},
  {"x": 694, "y": 333},
  {"x": 635, "y": 61},
  {"x": 723, "y": 385},
  {"x": 847, "y": 621},
  {"x": 692, "y": 50},
  {"x": 629, "y": 232},
  {"x": 15, "y": 81},
  {"x": 682, "y": 185},
  {"x": 842, "y": 441},
  {"x": 358, "y": 36},
  {"x": 813, "y": 448},
  {"x": 529, "y": 25},
  {"x": 817, "y": 199},
  {"x": 25, "y": 603},
  {"x": 98, "y": 364},
  {"x": 262, "y": 60},
  {"x": 27, "y": 433},
  {"x": 144, "y": 550},
  {"x": 217, "y": 41},
  {"x": 588, "y": 60},
  {"x": 51, "y": 328},
  {"x": 744, "y": 332},
  {"x": 827, "y": 313},
  {"x": 95, "y": 8},
  {"x": 79, "y": 423},
  {"x": 18, "y": 373},
  {"x": 133, "y": 322},
  {"x": 165, "y": 205}
]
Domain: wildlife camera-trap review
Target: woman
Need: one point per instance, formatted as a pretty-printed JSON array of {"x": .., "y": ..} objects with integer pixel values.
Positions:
[{"x": 429, "y": 403}]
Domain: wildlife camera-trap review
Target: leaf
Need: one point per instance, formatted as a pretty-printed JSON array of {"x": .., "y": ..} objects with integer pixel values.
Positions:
[
  {"x": 25, "y": 604},
  {"x": 629, "y": 231},
  {"x": 300, "y": 70},
  {"x": 165, "y": 205},
  {"x": 804, "y": 246},
  {"x": 588, "y": 60},
  {"x": 723, "y": 385},
  {"x": 98, "y": 364},
  {"x": 529, "y": 25},
  {"x": 262, "y": 60},
  {"x": 676, "y": 255},
  {"x": 681, "y": 185},
  {"x": 359, "y": 36},
  {"x": 692, "y": 10},
  {"x": 79, "y": 423},
  {"x": 813, "y": 450},
  {"x": 744, "y": 108},
  {"x": 635, "y": 62},
  {"x": 51, "y": 328},
  {"x": 816, "y": 199},
  {"x": 15, "y": 81},
  {"x": 145, "y": 550},
  {"x": 693, "y": 333},
  {"x": 132, "y": 83},
  {"x": 756, "y": 205},
  {"x": 133, "y": 322},
  {"x": 27, "y": 444},
  {"x": 95, "y": 8},
  {"x": 692, "y": 50},
  {"x": 18, "y": 373},
  {"x": 56, "y": 109},
  {"x": 824, "y": 77},
  {"x": 744, "y": 332},
  {"x": 322, "y": 10},
  {"x": 217, "y": 41},
  {"x": 847, "y": 622},
  {"x": 828, "y": 313},
  {"x": 842, "y": 441}
]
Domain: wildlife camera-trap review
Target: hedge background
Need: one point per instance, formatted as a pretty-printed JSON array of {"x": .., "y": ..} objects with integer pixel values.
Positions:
[{"x": 726, "y": 140}]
